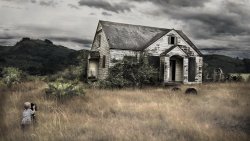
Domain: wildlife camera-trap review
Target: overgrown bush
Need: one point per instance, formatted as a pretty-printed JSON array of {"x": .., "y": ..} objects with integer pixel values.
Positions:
[
  {"x": 248, "y": 79},
  {"x": 72, "y": 73},
  {"x": 129, "y": 73},
  {"x": 12, "y": 76},
  {"x": 236, "y": 78},
  {"x": 64, "y": 89}
]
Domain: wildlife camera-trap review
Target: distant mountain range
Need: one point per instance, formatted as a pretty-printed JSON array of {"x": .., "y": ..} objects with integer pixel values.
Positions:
[
  {"x": 42, "y": 57},
  {"x": 38, "y": 57}
]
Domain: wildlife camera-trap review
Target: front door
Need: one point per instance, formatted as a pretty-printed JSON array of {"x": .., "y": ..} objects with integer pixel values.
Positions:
[{"x": 172, "y": 69}]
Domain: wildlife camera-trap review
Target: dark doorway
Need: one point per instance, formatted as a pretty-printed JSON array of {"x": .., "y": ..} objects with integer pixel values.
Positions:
[
  {"x": 173, "y": 68},
  {"x": 191, "y": 69}
]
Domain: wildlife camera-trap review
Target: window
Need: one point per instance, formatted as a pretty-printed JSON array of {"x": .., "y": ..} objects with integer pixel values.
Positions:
[
  {"x": 172, "y": 40},
  {"x": 99, "y": 40},
  {"x": 104, "y": 61},
  {"x": 130, "y": 58}
]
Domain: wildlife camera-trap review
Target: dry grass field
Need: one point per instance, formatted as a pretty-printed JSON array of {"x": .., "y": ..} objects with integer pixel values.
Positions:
[{"x": 220, "y": 112}]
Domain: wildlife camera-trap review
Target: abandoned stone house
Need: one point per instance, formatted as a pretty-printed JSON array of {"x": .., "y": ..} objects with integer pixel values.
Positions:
[{"x": 174, "y": 54}]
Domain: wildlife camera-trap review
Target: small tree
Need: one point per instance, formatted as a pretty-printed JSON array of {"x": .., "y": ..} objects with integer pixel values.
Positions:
[{"x": 11, "y": 76}]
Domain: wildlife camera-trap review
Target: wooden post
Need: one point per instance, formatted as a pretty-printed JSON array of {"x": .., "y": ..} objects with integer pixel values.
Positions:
[
  {"x": 185, "y": 70},
  {"x": 199, "y": 62},
  {"x": 166, "y": 69}
]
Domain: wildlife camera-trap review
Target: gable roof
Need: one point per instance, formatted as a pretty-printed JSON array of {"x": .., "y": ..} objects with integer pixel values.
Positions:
[
  {"x": 131, "y": 37},
  {"x": 173, "y": 47},
  {"x": 184, "y": 36},
  {"x": 136, "y": 37}
]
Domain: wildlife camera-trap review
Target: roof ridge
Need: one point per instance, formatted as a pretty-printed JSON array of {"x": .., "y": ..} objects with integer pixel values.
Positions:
[{"x": 101, "y": 21}]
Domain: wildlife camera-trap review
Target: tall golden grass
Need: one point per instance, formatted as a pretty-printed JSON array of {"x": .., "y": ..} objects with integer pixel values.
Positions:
[{"x": 220, "y": 112}]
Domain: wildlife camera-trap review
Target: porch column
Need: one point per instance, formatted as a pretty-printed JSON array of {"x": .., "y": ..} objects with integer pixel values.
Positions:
[
  {"x": 185, "y": 70},
  {"x": 198, "y": 76},
  {"x": 166, "y": 69}
]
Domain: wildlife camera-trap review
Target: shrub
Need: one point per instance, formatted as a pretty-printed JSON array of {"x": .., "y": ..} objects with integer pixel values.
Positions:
[
  {"x": 129, "y": 73},
  {"x": 236, "y": 78},
  {"x": 63, "y": 89},
  {"x": 72, "y": 73},
  {"x": 12, "y": 76},
  {"x": 248, "y": 79}
]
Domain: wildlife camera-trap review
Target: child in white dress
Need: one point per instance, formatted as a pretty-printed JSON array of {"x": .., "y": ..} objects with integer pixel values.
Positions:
[{"x": 27, "y": 114}]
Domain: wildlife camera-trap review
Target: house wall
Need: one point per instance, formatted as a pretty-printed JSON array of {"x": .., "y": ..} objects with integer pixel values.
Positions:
[
  {"x": 118, "y": 55},
  {"x": 103, "y": 50},
  {"x": 162, "y": 44}
]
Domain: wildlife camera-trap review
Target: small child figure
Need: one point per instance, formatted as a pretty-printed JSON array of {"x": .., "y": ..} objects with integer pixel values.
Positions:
[{"x": 27, "y": 115}]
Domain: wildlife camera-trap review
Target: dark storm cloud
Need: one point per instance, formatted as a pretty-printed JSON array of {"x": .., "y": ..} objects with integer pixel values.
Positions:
[
  {"x": 33, "y": 1},
  {"x": 7, "y": 37},
  {"x": 216, "y": 48},
  {"x": 71, "y": 39},
  {"x": 228, "y": 20},
  {"x": 225, "y": 23},
  {"x": 205, "y": 25},
  {"x": 48, "y": 3},
  {"x": 3, "y": 42},
  {"x": 106, "y": 14},
  {"x": 177, "y": 3},
  {"x": 101, "y": 4},
  {"x": 21, "y": 1}
]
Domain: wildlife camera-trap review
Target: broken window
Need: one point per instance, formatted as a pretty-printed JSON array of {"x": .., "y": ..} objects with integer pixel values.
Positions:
[
  {"x": 130, "y": 58},
  {"x": 172, "y": 40}
]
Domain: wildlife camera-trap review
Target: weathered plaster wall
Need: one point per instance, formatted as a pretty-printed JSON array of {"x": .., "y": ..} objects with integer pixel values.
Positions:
[
  {"x": 162, "y": 44},
  {"x": 176, "y": 51},
  {"x": 118, "y": 55},
  {"x": 103, "y": 50}
]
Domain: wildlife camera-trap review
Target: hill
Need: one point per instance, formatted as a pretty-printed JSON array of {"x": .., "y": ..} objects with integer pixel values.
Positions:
[
  {"x": 38, "y": 57},
  {"x": 227, "y": 64}
]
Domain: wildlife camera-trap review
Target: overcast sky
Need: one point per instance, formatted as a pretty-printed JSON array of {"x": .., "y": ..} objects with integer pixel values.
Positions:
[{"x": 215, "y": 26}]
